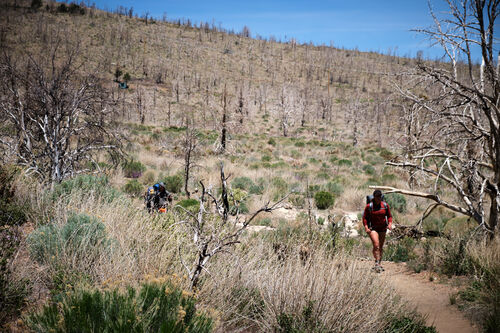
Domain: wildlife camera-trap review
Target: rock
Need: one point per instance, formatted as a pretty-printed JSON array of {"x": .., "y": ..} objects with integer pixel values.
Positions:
[{"x": 349, "y": 225}]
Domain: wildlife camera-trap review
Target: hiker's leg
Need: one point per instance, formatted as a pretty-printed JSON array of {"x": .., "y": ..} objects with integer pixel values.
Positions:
[
  {"x": 376, "y": 245},
  {"x": 381, "y": 238}
]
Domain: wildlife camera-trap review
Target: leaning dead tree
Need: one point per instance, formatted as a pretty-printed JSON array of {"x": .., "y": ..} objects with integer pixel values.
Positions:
[
  {"x": 54, "y": 116},
  {"x": 453, "y": 141},
  {"x": 214, "y": 233}
]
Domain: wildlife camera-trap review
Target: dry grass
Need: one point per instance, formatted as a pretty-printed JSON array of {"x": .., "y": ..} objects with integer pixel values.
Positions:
[
  {"x": 324, "y": 293},
  {"x": 141, "y": 246}
]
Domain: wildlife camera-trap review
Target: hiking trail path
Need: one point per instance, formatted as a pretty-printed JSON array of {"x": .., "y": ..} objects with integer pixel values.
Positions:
[{"x": 430, "y": 298}]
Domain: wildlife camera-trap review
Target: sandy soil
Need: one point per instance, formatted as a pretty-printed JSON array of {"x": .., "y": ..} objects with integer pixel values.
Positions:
[{"x": 431, "y": 299}]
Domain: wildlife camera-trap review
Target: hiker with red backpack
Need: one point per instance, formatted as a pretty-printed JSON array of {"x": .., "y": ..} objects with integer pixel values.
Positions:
[{"x": 377, "y": 219}]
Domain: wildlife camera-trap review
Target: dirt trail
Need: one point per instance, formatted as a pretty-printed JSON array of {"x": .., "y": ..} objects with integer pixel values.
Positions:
[{"x": 431, "y": 299}]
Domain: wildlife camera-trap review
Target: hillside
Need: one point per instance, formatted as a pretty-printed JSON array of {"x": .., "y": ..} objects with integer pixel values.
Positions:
[{"x": 179, "y": 69}]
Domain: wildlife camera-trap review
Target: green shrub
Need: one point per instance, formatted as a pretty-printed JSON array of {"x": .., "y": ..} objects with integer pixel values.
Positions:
[
  {"x": 433, "y": 224},
  {"x": 266, "y": 158},
  {"x": 387, "y": 178},
  {"x": 154, "y": 308},
  {"x": 295, "y": 154},
  {"x": 191, "y": 205},
  {"x": 134, "y": 188},
  {"x": 256, "y": 189},
  {"x": 459, "y": 226},
  {"x": 174, "y": 183},
  {"x": 264, "y": 222},
  {"x": 280, "y": 185},
  {"x": 374, "y": 159},
  {"x": 11, "y": 213},
  {"x": 248, "y": 301},
  {"x": 454, "y": 260},
  {"x": 386, "y": 154},
  {"x": 304, "y": 322},
  {"x": 335, "y": 188},
  {"x": 271, "y": 141},
  {"x": 411, "y": 323},
  {"x": 400, "y": 251},
  {"x": 396, "y": 202},
  {"x": 242, "y": 183},
  {"x": 186, "y": 203},
  {"x": 323, "y": 199},
  {"x": 472, "y": 293},
  {"x": 323, "y": 175},
  {"x": 82, "y": 237},
  {"x": 344, "y": 162},
  {"x": 333, "y": 160},
  {"x": 299, "y": 144},
  {"x": 297, "y": 200},
  {"x": 99, "y": 185},
  {"x": 133, "y": 169},
  {"x": 369, "y": 169}
]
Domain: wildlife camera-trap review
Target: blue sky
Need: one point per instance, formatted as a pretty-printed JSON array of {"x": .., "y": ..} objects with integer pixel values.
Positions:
[{"x": 369, "y": 25}]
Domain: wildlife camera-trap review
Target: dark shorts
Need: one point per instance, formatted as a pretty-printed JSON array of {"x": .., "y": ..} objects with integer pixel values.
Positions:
[{"x": 379, "y": 229}]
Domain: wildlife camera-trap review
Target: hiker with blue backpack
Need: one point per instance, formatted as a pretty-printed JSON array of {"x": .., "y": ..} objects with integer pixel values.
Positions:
[
  {"x": 377, "y": 219},
  {"x": 157, "y": 198}
]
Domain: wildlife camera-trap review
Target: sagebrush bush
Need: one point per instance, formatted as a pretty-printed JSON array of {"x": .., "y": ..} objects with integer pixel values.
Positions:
[
  {"x": 323, "y": 199},
  {"x": 153, "y": 308},
  {"x": 97, "y": 185},
  {"x": 82, "y": 237},
  {"x": 396, "y": 202},
  {"x": 134, "y": 188}
]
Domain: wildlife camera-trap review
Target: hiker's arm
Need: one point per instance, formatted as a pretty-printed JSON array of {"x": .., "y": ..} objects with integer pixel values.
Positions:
[
  {"x": 365, "y": 221},
  {"x": 389, "y": 218}
]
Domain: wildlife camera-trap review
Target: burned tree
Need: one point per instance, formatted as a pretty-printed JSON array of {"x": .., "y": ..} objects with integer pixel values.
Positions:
[
  {"x": 213, "y": 233},
  {"x": 458, "y": 104},
  {"x": 55, "y": 116},
  {"x": 189, "y": 146}
]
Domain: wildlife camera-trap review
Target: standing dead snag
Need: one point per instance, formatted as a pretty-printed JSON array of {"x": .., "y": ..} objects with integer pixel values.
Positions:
[
  {"x": 213, "y": 233},
  {"x": 190, "y": 145},
  {"x": 457, "y": 105},
  {"x": 55, "y": 119}
]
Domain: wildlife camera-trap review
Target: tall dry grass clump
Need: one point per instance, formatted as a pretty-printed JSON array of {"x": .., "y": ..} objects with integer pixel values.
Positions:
[
  {"x": 314, "y": 292},
  {"x": 485, "y": 259}
]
